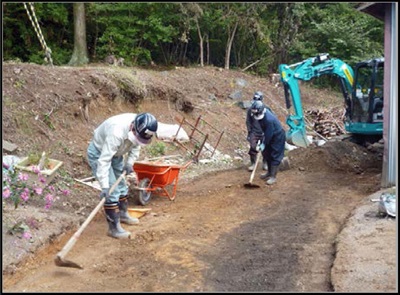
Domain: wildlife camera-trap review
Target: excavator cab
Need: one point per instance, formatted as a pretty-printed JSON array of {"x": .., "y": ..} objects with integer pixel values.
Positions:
[{"x": 366, "y": 110}]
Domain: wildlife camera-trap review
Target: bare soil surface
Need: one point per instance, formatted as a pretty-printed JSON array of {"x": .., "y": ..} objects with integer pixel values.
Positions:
[{"x": 315, "y": 230}]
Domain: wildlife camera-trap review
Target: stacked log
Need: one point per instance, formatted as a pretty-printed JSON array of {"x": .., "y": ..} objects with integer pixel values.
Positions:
[{"x": 328, "y": 123}]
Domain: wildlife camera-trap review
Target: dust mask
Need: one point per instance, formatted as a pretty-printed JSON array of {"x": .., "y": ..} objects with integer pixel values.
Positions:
[
  {"x": 132, "y": 138},
  {"x": 260, "y": 116}
]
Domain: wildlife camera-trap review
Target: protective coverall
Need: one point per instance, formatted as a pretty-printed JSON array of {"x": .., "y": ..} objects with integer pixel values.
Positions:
[
  {"x": 106, "y": 158},
  {"x": 254, "y": 134},
  {"x": 106, "y": 152},
  {"x": 274, "y": 142}
]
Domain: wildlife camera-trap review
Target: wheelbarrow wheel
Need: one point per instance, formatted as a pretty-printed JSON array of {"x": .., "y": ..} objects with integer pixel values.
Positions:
[{"x": 144, "y": 196}]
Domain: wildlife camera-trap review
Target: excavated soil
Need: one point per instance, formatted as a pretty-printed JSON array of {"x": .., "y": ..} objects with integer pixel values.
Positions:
[{"x": 315, "y": 230}]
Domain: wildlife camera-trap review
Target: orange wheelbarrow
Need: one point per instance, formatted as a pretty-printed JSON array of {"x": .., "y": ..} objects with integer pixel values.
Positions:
[{"x": 154, "y": 177}]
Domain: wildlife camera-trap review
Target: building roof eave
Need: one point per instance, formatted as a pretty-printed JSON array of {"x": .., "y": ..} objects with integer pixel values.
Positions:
[{"x": 376, "y": 9}]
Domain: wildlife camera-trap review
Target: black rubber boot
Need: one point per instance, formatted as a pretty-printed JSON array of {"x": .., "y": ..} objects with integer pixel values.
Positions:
[
  {"x": 265, "y": 166},
  {"x": 123, "y": 212},
  {"x": 114, "y": 227},
  {"x": 253, "y": 163},
  {"x": 274, "y": 171},
  {"x": 268, "y": 174}
]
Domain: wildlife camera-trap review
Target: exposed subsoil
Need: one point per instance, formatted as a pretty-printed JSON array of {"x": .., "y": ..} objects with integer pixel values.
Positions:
[{"x": 314, "y": 230}]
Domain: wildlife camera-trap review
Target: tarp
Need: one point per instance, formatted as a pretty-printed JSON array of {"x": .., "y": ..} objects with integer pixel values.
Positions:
[
  {"x": 387, "y": 204},
  {"x": 168, "y": 132}
]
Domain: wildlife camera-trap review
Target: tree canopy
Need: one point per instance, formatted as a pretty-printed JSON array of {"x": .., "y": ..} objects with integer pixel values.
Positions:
[{"x": 236, "y": 35}]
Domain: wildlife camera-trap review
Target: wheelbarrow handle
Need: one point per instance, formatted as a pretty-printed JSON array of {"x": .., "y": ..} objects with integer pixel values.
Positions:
[
  {"x": 75, "y": 237},
  {"x": 187, "y": 164}
]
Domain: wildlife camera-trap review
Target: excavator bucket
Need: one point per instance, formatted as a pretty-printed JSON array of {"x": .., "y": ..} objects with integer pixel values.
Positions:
[{"x": 298, "y": 138}]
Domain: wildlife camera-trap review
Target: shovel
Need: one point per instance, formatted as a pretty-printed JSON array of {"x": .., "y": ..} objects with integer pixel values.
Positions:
[
  {"x": 250, "y": 184},
  {"x": 59, "y": 260}
]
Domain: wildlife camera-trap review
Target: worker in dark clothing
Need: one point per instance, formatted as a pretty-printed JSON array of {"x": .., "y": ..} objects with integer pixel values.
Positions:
[
  {"x": 273, "y": 144},
  {"x": 254, "y": 134}
]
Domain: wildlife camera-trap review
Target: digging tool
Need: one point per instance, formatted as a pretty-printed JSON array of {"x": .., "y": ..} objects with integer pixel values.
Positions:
[
  {"x": 250, "y": 184},
  {"x": 59, "y": 260}
]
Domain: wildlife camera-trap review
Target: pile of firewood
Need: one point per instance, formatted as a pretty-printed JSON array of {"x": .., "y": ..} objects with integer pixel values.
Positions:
[{"x": 328, "y": 123}]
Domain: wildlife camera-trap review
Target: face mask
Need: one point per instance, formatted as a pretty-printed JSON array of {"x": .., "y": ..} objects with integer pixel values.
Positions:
[
  {"x": 260, "y": 116},
  {"x": 133, "y": 139}
]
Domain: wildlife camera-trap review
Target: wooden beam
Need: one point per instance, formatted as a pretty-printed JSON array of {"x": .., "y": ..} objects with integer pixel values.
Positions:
[{"x": 8, "y": 146}]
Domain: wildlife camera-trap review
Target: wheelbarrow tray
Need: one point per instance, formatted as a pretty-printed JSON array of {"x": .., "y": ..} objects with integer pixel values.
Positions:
[
  {"x": 154, "y": 177},
  {"x": 161, "y": 174}
]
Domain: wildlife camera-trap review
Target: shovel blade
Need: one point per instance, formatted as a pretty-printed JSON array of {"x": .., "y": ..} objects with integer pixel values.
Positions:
[{"x": 251, "y": 185}]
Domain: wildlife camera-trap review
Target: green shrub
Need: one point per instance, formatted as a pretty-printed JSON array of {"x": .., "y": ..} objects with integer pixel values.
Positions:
[{"x": 156, "y": 149}]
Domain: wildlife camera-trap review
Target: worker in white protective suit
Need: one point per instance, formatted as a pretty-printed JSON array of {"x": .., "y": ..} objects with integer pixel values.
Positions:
[{"x": 115, "y": 137}]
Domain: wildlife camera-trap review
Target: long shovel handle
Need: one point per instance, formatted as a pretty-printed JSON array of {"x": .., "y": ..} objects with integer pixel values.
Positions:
[
  {"x": 76, "y": 235},
  {"x": 255, "y": 168}
]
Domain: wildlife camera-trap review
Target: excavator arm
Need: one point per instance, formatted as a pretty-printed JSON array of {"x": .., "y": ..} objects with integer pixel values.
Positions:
[{"x": 306, "y": 70}]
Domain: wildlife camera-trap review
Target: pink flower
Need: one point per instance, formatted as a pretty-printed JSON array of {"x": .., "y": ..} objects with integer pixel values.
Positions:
[
  {"x": 25, "y": 195},
  {"x": 65, "y": 192},
  {"x": 23, "y": 176},
  {"x": 49, "y": 201},
  {"x": 49, "y": 198},
  {"x": 38, "y": 190},
  {"x": 42, "y": 179},
  {"x": 51, "y": 188},
  {"x": 6, "y": 193},
  {"x": 27, "y": 235},
  {"x": 36, "y": 169}
]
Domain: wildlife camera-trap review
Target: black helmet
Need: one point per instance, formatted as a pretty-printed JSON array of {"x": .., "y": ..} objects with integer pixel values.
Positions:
[
  {"x": 258, "y": 96},
  {"x": 145, "y": 126},
  {"x": 258, "y": 109}
]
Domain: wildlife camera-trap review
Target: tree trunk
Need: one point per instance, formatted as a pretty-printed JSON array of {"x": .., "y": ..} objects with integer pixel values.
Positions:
[
  {"x": 184, "y": 53},
  {"x": 95, "y": 40},
  {"x": 229, "y": 47},
  {"x": 80, "y": 53},
  {"x": 201, "y": 44},
  {"x": 208, "y": 49}
]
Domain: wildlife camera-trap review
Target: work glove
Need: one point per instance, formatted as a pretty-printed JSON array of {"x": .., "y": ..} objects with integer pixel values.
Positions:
[
  {"x": 128, "y": 169},
  {"x": 260, "y": 147},
  {"x": 132, "y": 179},
  {"x": 105, "y": 193}
]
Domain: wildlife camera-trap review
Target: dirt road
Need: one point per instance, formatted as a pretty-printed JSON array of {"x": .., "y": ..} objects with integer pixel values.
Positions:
[{"x": 216, "y": 236}]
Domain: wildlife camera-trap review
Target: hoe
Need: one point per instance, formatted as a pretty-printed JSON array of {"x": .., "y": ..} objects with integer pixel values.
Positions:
[
  {"x": 250, "y": 183},
  {"x": 59, "y": 260}
]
